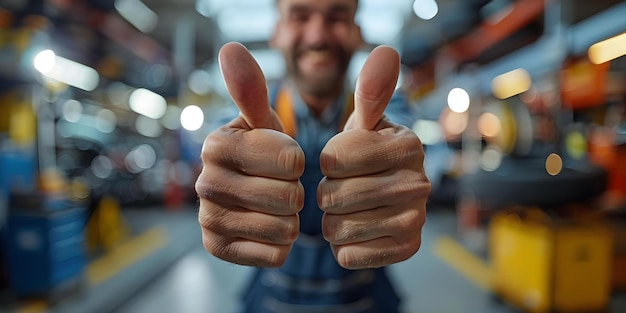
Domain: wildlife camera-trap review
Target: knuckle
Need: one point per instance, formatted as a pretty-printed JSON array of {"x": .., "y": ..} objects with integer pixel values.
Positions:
[
  {"x": 277, "y": 257},
  {"x": 393, "y": 251},
  {"x": 326, "y": 196},
  {"x": 291, "y": 158},
  {"x": 348, "y": 259},
  {"x": 215, "y": 245},
  {"x": 283, "y": 232},
  {"x": 412, "y": 187},
  {"x": 410, "y": 145},
  {"x": 212, "y": 222},
  {"x": 204, "y": 214},
  {"x": 293, "y": 228},
  {"x": 329, "y": 228},
  {"x": 340, "y": 231},
  {"x": 405, "y": 247},
  {"x": 322, "y": 202},
  {"x": 296, "y": 197},
  {"x": 329, "y": 158},
  {"x": 409, "y": 248},
  {"x": 411, "y": 220},
  {"x": 214, "y": 145},
  {"x": 207, "y": 186}
]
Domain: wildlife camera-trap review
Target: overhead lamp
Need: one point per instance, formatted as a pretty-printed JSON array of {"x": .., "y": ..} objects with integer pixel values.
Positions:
[
  {"x": 511, "y": 83},
  {"x": 138, "y": 14},
  {"x": 607, "y": 50},
  {"x": 192, "y": 118},
  {"x": 458, "y": 100},
  {"x": 44, "y": 61},
  {"x": 425, "y": 9},
  {"x": 148, "y": 103},
  {"x": 66, "y": 71}
]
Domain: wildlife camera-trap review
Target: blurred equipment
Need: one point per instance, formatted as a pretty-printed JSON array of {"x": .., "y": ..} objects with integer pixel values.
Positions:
[
  {"x": 44, "y": 244},
  {"x": 42, "y": 239},
  {"x": 107, "y": 227},
  {"x": 546, "y": 263},
  {"x": 617, "y": 219},
  {"x": 607, "y": 149}
]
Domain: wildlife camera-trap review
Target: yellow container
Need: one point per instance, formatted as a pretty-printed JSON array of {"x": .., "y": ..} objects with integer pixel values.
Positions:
[
  {"x": 542, "y": 265},
  {"x": 619, "y": 256}
]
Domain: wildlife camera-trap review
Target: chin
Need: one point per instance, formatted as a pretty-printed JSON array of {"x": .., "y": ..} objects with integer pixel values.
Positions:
[{"x": 319, "y": 86}]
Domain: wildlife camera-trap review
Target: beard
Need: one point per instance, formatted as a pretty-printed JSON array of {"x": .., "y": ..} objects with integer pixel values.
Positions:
[{"x": 322, "y": 82}]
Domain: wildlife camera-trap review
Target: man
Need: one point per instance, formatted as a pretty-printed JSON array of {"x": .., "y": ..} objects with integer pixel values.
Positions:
[{"x": 321, "y": 215}]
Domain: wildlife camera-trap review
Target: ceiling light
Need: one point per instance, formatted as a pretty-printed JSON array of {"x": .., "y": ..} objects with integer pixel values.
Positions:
[
  {"x": 192, "y": 118},
  {"x": 458, "y": 100},
  {"x": 148, "y": 103},
  {"x": 66, "y": 71},
  {"x": 511, "y": 83},
  {"x": 607, "y": 50},
  {"x": 138, "y": 14},
  {"x": 425, "y": 9},
  {"x": 44, "y": 61}
]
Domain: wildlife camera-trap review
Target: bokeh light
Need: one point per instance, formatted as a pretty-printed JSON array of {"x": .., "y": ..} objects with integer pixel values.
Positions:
[
  {"x": 489, "y": 125},
  {"x": 425, "y": 9},
  {"x": 458, "y": 100},
  {"x": 192, "y": 118},
  {"x": 44, "y": 61},
  {"x": 554, "y": 164}
]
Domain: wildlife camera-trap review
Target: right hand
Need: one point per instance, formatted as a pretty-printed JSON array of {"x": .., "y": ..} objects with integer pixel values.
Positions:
[{"x": 249, "y": 188}]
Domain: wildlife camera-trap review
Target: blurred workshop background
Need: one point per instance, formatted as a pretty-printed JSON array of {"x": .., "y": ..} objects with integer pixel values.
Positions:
[{"x": 104, "y": 104}]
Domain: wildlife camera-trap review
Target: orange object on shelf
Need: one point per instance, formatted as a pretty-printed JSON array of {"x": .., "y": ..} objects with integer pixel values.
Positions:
[
  {"x": 604, "y": 152},
  {"x": 584, "y": 84}
]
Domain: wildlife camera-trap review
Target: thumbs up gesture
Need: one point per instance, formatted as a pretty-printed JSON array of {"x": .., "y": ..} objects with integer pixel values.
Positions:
[
  {"x": 374, "y": 193},
  {"x": 375, "y": 190},
  {"x": 249, "y": 187}
]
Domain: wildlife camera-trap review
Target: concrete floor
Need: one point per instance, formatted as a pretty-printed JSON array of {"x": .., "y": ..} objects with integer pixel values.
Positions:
[
  {"x": 180, "y": 276},
  {"x": 200, "y": 283}
]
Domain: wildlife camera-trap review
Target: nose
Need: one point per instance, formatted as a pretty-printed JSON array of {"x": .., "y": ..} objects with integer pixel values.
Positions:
[{"x": 316, "y": 33}]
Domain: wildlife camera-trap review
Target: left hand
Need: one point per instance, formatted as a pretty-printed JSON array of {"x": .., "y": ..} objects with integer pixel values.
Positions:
[{"x": 375, "y": 190}]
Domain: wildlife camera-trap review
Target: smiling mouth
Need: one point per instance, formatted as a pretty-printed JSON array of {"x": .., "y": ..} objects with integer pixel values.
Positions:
[{"x": 317, "y": 56}]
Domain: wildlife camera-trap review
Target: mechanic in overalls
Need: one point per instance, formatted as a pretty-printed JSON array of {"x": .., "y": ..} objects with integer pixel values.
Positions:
[{"x": 317, "y": 186}]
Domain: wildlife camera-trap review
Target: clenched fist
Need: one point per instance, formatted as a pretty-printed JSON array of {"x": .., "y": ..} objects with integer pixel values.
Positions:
[
  {"x": 249, "y": 187},
  {"x": 375, "y": 190}
]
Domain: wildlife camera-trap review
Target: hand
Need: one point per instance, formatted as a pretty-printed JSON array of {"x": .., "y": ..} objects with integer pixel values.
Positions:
[
  {"x": 249, "y": 187},
  {"x": 375, "y": 190}
]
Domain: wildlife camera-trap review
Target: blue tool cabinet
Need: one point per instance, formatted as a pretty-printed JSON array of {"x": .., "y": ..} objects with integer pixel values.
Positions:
[{"x": 45, "y": 249}]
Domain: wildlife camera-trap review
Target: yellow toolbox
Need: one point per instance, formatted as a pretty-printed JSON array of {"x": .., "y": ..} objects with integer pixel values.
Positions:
[
  {"x": 543, "y": 264},
  {"x": 617, "y": 218}
]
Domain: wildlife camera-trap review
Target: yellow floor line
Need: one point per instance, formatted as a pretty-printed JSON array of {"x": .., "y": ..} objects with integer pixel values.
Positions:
[
  {"x": 125, "y": 255},
  {"x": 463, "y": 261},
  {"x": 35, "y": 306}
]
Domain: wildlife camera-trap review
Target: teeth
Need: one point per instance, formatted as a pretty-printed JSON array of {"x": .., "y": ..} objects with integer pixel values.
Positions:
[{"x": 318, "y": 55}]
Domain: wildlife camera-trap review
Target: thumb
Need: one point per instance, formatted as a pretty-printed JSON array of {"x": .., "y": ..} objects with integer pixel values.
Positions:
[
  {"x": 374, "y": 87},
  {"x": 246, "y": 84}
]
